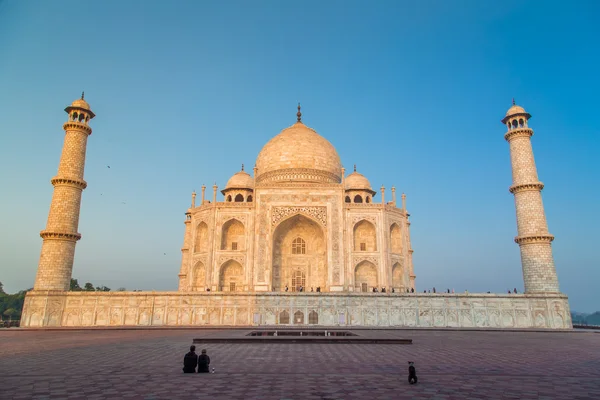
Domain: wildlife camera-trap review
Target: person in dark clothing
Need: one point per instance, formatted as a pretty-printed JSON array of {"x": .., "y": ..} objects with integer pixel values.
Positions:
[
  {"x": 190, "y": 360},
  {"x": 203, "y": 362}
]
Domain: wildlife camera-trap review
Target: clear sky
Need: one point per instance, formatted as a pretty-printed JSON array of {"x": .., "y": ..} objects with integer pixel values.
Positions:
[{"x": 410, "y": 91}]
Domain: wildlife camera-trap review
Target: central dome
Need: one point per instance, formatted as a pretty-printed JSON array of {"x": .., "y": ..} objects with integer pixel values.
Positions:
[{"x": 298, "y": 154}]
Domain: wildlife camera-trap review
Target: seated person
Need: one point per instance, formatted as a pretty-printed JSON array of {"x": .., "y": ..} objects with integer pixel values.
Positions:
[
  {"x": 203, "y": 362},
  {"x": 190, "y": 360}
]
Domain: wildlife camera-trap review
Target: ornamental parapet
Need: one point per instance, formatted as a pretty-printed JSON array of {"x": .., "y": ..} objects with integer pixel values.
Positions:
[
  {"x": 523, "y": 187},
  {"x": 518, "y": 132},
  {"x": 49, "y": 235},
  {"x": 532, "y": 239},
  {"x": 78, "y": 183},
  {"x": 77, "y": 126},
  {"x": 364, "y": 205},
  {"x": 288, "y": 175}
]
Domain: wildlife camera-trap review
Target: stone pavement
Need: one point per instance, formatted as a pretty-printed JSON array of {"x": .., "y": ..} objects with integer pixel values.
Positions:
[{"x": 146, "y": 364}]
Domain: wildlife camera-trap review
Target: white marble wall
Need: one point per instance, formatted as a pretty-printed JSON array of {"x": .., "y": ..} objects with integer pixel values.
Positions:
[{"x": 82, "y": 309}]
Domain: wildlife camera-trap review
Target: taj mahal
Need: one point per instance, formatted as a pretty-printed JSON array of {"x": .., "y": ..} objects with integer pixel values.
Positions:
[{"x": 297, "y": 241}]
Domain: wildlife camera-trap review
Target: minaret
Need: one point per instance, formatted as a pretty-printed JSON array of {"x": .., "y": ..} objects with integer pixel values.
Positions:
[
  {"x": 539, "y": 274},
  {"x": 60, "y": 235}
]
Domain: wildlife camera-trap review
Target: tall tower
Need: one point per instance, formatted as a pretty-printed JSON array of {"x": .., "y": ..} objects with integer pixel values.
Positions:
[
  {"x": 60, "y": 235},
  {"x": 539, "y": 273}
]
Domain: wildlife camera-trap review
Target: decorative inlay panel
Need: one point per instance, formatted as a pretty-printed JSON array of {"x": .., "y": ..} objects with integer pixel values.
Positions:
[{"x": 318, "y": 213}]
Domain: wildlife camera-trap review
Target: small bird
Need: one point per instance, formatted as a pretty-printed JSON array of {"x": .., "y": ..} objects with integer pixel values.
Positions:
[
  {"x": 123, "y": 202},
  {"x": 165, "y": 254},
  {"x": 108, "y": 166}
]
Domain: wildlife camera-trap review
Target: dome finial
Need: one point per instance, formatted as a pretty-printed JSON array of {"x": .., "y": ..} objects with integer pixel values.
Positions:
[
  {"x": 514, "y": 104},
  {"x": 354, "y": 167},
  {"x": 299, "y": 114},
  {"x": 82, "y": 94},
  {"x": 242, "y": 167}
]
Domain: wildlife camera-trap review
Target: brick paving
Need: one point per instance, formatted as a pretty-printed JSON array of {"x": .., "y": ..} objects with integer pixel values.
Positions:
[{"x": 146, "y": 364}]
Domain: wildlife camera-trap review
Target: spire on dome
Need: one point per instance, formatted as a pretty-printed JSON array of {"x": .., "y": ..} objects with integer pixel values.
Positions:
[
  {"x": 354, "y": 167},
  {"x": 299, "y": 114},
  {"x": 82, "y": 95},
  {"x": 242, "y": 167},
  {"x": 514, "y": 104}
]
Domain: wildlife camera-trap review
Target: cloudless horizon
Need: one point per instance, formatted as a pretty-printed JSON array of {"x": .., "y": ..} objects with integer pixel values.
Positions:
[{"x": 184, "y": 92}]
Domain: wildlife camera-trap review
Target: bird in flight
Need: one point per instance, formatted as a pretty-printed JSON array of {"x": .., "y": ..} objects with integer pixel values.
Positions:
[{"x": 108, "y": 166}]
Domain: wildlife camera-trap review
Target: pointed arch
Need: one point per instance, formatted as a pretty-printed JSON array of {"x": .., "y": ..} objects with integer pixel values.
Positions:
[
  {"x": 284, "y": 318},
  {"x": 348, "y": 199},
  {"x": 313, "y": 318},
  {"x": 395, "y": 238},
  {"x": 201, "y": 242},
  {"x": 231, "y": 276},
  {"x": 358, "y": 198},
  {"x": 299, "y": 318},
  {"x": 365, "y": 236},
  {"x": 249, "y": 199},
  {"x": 398, "y": 276},
  {"x": 365, "y": 273},
  {"x": 299, "y": 255},
  {"x": 198, "y": 276},
  {"x": 239, "y": 198},
  {"x": 233, "y": 232}
]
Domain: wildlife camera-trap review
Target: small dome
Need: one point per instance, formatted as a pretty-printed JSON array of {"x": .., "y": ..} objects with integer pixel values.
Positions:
[
  {"x": 515, "y": 109},
  {"x": 357, "y": 181},
  {"x": 81, "y": 103},
  {"x": 240, "y": 180}
]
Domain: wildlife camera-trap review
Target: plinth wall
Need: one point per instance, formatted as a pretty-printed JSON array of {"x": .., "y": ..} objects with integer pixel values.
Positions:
[{"x": 89, "y": 309}]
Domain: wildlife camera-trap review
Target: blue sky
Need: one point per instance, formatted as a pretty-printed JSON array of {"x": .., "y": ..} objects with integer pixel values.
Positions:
[{"x": 411, "y": 92}]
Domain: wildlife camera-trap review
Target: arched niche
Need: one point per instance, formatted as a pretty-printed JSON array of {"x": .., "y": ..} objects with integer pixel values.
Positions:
[
  {"x": 358, "y": 198},
  {"x": 347, "y": 200},
  {"x": 239, "y": 198},
  {"x": 398, "y": 276},
  {"x": 299, "y": 318},
  {"x": 198, "y": 276},
  {"x": 395, "y": 239},
  {"x": 365, "y": 236},
  {"x": 313, "y": 318},
  {"x": 201, "y": 243},
  {"x": 231, "y": 276},
  {"x": 299, "y": 254},
  {"x": 365, "y": 276},
  {"x": 233, "y": 236},
  {"x": 284, "y": 318}
]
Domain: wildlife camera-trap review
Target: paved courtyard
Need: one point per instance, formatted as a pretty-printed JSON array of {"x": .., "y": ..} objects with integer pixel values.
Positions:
[{"x": 146, "y": 364}]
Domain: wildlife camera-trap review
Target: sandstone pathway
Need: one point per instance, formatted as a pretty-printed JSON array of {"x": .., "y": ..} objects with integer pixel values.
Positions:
[{"x": 146, "y": 364}]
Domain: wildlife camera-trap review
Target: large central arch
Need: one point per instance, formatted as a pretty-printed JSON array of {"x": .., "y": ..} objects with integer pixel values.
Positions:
[{"x": 299, "y": 254}]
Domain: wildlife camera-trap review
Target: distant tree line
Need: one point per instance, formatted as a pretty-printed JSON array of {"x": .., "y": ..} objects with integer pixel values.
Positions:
[
  {"x": 87, "y": 287},
  {"x": 586, "y": 319},
  {"x": 11, "y": 305}
]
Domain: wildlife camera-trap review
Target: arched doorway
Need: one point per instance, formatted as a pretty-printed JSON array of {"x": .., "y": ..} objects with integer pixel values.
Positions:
[
  {"x": 398, "y": 276},
  {"x": 299, "y": 254},
  {"x": 365, "y": 276},
  {"x": 199, "y": 276},
  {"x": 395, "y": 239},
  {"x": 232, "y": 237},
  {"x": 365, "y": 236},
  {"x": 231, "y": 277}
]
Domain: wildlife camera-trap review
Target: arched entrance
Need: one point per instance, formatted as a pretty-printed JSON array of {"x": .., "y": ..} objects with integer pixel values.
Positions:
[
  {"x": 231, "y": 278},
  {"x": 365, "y": 277},
  {"x": 398, "y": 277},
  {"x": 299, "y": 255}
]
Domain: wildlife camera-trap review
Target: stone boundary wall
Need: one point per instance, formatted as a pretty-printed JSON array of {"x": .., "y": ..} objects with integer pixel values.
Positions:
[{"x": 92, "y": 309}]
